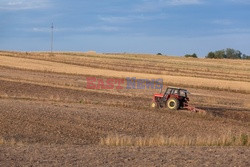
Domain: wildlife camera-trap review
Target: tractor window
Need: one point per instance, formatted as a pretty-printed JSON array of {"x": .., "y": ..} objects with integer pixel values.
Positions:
[
  {"x": 168, "y": 91},
  {"x": 175, "y": 91},
  {"x": 182, "y": 93}
]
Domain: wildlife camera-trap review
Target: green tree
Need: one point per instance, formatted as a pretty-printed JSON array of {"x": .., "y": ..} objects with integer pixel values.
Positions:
[
  {"x": 233, "y": 54},
  {"x": 228, "y": 53},
  {"x": 244, "y": 56},
  {"x": 210, "y": 55},
  {"x": 193, "y": 55},
  {"x": 219, "y": 54}
]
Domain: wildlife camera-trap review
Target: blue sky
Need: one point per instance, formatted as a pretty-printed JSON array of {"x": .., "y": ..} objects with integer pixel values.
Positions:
[{"x": 173, "y": 27}]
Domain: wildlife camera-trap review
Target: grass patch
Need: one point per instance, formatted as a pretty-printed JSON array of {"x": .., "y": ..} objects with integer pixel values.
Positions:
[{"x": 160, "y": 140}]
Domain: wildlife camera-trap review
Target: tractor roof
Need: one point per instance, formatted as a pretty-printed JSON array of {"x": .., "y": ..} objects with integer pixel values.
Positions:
[
  {"x": 185, "y": 90},
  {"x": 171, "y": 87}
]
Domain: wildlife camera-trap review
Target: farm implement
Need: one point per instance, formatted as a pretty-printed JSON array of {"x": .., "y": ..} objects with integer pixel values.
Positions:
[{"x": 174, "y": 99}]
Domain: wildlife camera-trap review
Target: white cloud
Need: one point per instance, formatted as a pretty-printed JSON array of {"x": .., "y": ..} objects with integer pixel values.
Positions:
[
  {"x": 79, "y": 29},
  {"x": 183, "y": 2},
  {"x": 100, "y": 28},
  {"x": 224, "y": 22},
  {"x": 152, "y": 5},
  {"x": 23, "y": 4},
  {"x": 131, "y": 18},
  {"x": 247, "y": 2},
  {"x": 40, "y": 29},
  {"x": 234, "y": 31},
  {"x": 115, "y": 19}
]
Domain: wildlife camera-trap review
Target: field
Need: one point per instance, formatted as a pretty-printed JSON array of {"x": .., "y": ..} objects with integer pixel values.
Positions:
[{"x": 49, "y": 117}]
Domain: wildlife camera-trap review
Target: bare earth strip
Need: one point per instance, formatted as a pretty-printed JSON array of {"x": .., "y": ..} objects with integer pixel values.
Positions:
[
  {"x": 125, "y": 156},
  {"x": 58, "y": 134},
  {"x": 69, "y": 123}
]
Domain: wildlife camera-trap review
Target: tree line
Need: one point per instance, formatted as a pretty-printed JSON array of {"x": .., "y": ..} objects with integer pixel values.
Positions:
[{"x": 228, "y": 53}]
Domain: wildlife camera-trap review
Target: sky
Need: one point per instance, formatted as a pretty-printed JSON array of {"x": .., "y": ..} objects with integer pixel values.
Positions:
[{"x": 171, "y": 27}]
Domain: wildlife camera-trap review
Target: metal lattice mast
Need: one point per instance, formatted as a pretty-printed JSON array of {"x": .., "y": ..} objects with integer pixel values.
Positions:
[{"x": 52, "y": 37}]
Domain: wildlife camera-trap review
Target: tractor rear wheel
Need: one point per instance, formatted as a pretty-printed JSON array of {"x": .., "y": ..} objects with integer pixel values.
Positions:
[{"x": 173, "y": 104}]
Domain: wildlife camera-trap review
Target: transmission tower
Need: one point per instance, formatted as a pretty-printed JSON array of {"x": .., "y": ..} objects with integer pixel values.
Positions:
[{"x": 52, "y": 37}]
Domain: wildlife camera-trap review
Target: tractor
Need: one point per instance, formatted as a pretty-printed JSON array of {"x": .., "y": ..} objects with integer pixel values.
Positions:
[{"x": 174, "y": 99}]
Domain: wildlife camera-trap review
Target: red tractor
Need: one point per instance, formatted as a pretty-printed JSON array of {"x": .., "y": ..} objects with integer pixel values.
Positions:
[{"x": 173, "y": 99}]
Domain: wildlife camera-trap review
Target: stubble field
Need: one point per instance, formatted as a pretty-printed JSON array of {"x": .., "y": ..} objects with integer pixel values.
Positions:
[{"x": 49, "y": 117}]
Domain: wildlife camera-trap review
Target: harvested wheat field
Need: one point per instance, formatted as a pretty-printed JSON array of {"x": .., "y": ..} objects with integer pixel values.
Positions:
[{"x": 48, "y": 116}]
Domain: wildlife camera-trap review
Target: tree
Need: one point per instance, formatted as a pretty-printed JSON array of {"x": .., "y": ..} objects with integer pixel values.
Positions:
[
  {"x": 244, "y": 56},
  {"x": 220, "y": 54},
  {"x": 193, "y": 55},
  {"x": 228, "y": 53},
  {"x": 210, "y": 55},
  {"x": 233, "y": 54}
]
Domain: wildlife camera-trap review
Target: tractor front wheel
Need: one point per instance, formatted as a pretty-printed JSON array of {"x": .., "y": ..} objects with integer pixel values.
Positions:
[
  {"x": 173, "y": 104},
  {"x": 154, "y": 105}
]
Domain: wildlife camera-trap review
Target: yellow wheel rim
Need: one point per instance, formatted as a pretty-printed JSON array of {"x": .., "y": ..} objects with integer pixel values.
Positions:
[
  {"x": 153, "y": 105},
  {"x": 169, "y": 104}
]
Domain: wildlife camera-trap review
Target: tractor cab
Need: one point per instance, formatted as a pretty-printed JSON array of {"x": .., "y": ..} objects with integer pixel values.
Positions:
[{"x": 178, "y": 92}]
